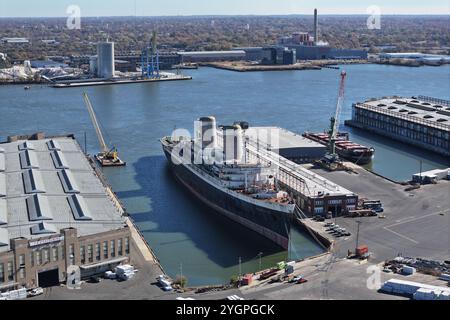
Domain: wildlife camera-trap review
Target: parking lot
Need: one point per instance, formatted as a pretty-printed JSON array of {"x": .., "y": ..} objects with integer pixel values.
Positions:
[{"x": 416, "y": 223}]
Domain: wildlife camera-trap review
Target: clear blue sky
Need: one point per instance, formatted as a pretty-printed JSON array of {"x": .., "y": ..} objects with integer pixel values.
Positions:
[{"x": 57, "y": 8}]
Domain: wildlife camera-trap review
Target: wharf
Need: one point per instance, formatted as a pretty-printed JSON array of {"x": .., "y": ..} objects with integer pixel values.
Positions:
[{"x": 248, "y": 67}]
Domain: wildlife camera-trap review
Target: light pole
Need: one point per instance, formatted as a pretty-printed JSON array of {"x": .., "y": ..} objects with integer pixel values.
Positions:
[{"x": 357, "y": 234}]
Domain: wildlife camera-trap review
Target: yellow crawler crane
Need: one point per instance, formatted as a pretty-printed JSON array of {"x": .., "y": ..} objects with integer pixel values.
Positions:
[{"x": 107, "y": 157}]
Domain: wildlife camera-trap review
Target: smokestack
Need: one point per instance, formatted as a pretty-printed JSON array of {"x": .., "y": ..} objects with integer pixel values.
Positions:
[{"x": 316, "y": 27}]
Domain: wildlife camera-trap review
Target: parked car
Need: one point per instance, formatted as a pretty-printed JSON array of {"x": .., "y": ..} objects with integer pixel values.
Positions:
[
  {"x": 295, "y": 279},
  {"x": 35, "y": 292},
  {"x": 302, "y": 280}
]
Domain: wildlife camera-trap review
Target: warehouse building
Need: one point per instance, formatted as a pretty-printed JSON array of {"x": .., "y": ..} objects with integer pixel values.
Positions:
[
  {"x": 56, "y": 211},
  {"x": 419, "y": 121},
  {"x": 286, "y": 143}
]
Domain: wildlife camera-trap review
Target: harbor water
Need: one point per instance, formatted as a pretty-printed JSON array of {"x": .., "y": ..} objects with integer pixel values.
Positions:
[{"x": 183, "y": 232}]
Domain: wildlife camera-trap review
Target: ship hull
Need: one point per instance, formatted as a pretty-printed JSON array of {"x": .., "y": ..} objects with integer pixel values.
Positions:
[{"x": 270, "y": 223}]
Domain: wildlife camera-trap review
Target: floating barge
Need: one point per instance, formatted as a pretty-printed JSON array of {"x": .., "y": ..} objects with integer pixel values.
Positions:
[{"x": 344, "y": 147}]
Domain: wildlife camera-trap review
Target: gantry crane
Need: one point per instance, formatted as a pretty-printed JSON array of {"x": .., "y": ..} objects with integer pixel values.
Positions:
[{"x": 107, "y": 157}]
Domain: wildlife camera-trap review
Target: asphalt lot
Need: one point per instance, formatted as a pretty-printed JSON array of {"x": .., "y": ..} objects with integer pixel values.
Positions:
[
  {"x": 417, "y": 223},
  {"x": 141, "y": 287}
]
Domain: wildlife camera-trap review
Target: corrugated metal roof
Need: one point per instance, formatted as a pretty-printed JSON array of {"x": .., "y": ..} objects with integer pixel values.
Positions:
[
  {"x": 59, "y": 160},
  {"x": 28, "y": 160},
  {"x": 43, "y": 228},
  {"x": 4, "y": 237},
  {"x": 39, "y": 208},
  {"x": 3, "y": 212},
  {"x": 68, "y": 181},
  {"x": 79, "y": 208},
  {"x": 33, "y": 181}
]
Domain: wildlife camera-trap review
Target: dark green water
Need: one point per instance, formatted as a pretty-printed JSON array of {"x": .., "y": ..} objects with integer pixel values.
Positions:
[{"x": 134, "y": 117}]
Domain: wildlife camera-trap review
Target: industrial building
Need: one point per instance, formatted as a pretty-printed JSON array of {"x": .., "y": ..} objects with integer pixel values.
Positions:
[
  {"x": 314, "y": 194},
  {"x": 56, "y": 211},
  {"x": 105, "y": 60},
  {"x": 419, "y": 121},
  {"x": 278, "y": 55},
  {"x": 287, "y": 144},
  {"x": 311, "y": 48},
  {"x": 208, "y": 56}
]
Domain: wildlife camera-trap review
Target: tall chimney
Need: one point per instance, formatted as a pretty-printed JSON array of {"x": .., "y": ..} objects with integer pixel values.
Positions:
[{"x": 316, "y": 27}]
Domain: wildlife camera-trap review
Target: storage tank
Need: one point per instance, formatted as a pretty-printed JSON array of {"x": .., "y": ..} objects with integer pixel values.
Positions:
[
  {"x": 233, "y": 144},
  {"x": 105, "y": 62}
]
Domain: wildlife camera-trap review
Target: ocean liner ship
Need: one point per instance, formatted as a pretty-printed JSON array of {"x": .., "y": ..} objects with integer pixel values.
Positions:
[{"x": 214, "y": 167}]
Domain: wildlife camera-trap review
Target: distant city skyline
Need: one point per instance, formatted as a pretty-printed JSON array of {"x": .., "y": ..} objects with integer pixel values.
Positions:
[{"x": 57, "y": 8}]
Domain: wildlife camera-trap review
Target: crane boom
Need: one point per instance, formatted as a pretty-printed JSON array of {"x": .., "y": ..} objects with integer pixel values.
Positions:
[
  {"x": 101, "y": 140},
  {"x": 335, "y": 119}
]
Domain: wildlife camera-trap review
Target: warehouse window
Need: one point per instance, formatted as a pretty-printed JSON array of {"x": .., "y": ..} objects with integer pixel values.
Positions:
[
  {"x": 32, "y": 258},
  {"x": 90, "y": 253},
  {"x": 22, "y": 261},
  {"x": 2, "y": 273},
  {"x": 38, "y": 258},
  {"x": 127, "y": 245},
  {"x": 10, "y": 271},
  {"x": 97, "y": 251},
  {"x": 55, "y": 254},
  {"x": 113, "y": 248},
  {"x": 22, "y": 273},
  {"x": 83, "y": 254},
  {"x": 46, "y": 256},
  {"x": 105, "y": 250},
  {"x": 119, "y": 247}
]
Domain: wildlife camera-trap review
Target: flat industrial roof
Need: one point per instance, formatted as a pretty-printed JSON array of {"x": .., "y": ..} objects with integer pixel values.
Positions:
[
  {"x": 279, "y": 138},
  {"x": 424, "y": 110},
  {"x": 61, "y": 191}
]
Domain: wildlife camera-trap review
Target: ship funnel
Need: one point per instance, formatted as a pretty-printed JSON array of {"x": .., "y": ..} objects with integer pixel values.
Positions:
[
  {"x": 206, "y": 132},
  {"x": 233, "y": 144}
]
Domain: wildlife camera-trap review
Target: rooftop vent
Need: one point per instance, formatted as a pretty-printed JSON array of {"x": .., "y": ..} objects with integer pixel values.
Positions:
[
  {"x": 27, "y": 145},
  {"x": 428, "y": 117},
  {"x": 412, "y": 112},
  {"x": 53, "y": 145},
  {"x": 381, "y": 105},
  {"x": 403, "y": 110},
  {"x": 59, "y": 160},
  {"x": 28, "y": 160},
  {"x": 43, "y": 228},
  {"x": 426, "y": 104},
  {"x": 438, "y": 106},
  {"x": 33, "y": 182},
  {"x": 441, "y": 120},
  {"x": 68, "y": 181},
  {"x": 78, "y": 207},
  {"x": 414, "y": 101},
  {"x": 39, "y": 208},
  {"x": 392, "y": 108}
]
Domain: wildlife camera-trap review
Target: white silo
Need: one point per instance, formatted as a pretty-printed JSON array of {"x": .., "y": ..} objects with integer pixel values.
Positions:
[{"x": 105, "y": 60}]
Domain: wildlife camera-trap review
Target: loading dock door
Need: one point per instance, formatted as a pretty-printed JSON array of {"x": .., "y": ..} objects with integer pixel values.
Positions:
[{"x": 48, "y": 278}]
